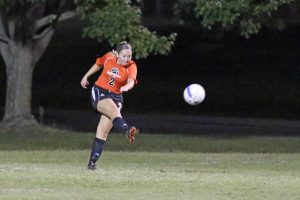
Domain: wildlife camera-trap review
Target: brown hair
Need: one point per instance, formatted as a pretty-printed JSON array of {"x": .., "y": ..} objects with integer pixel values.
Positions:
[{"x": 123, "y": 45}]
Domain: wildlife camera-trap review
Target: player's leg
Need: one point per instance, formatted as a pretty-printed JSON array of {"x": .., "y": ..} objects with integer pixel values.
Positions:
[
  {"x": 103, "y": 129},
  {"x": 110, "y": 104},
  {"x": 109, "y": 108}
]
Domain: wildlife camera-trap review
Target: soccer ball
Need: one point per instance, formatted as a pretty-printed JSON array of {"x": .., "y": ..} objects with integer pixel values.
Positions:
[{"x": 194, "y": 94}]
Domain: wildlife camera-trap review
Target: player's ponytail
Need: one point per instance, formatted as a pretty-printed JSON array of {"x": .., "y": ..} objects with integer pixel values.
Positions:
[{"x": 123, "y": 45}]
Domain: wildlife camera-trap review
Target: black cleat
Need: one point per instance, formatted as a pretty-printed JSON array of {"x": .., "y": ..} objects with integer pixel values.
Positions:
[{"x": 91, "y": 165}]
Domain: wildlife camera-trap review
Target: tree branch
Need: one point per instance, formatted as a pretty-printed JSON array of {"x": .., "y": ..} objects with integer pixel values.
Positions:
[
  {"x": 48, "y": 20},
  {"x": 3, "y": 32},
  {"x": 4, "y": 40},
  {"x": 3, "y": 35},
  {"x": 42, "y": 34},
  {"x": 67, "y": 15},
  {"x": 11, "y": 29}
]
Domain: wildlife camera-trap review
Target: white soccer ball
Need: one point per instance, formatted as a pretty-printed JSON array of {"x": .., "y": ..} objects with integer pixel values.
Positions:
[{"x": 194, "y": 94}]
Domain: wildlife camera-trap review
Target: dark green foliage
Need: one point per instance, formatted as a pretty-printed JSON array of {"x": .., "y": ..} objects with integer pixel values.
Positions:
[
  {"x": 246, "y": 16},
  {"x": 118, "y": 20}
]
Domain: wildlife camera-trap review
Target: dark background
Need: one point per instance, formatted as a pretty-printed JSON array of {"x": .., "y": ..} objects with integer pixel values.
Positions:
[
  {"x": 243, "y": 78},
  {"x": 256, "y": 77}
]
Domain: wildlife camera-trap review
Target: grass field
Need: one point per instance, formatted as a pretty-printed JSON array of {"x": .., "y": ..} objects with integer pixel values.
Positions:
[{"x": 51, "y": 164}]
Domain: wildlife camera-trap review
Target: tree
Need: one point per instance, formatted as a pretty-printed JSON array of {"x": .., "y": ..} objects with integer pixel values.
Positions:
[
  {"x": 27, "y": 26},
  {"x": 245, "y": 16}
]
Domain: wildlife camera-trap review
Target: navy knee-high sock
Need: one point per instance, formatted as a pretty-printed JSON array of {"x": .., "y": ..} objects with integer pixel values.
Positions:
[
  {"x": 120, "y": 124},
  {"x": 97, "y": 148}
]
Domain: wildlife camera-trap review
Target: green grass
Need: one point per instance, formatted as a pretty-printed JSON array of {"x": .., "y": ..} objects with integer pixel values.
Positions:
[
  {"x": 44, "y": 163},
  {"x": 149, "y": 175},
  {"x": 43, "y": 138}
]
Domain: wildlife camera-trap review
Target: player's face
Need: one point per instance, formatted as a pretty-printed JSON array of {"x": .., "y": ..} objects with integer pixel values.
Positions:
[{"x": 124, "y": 56}]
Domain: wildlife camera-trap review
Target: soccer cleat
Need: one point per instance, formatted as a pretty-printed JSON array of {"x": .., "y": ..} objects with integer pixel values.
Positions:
[
  {"x": 131, "y": 132},
  {"x": 91, "y": 165}
]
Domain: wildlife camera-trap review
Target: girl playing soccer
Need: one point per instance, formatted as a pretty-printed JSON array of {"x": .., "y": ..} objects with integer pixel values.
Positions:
[{"x": 118, "y": 76}]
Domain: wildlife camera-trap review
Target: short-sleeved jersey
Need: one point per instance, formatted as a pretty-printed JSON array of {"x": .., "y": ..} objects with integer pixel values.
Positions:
[{"x": 114, "y": 76}]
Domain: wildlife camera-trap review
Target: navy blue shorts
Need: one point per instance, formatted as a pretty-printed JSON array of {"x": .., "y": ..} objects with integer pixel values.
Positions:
[{"x": 98, "y": 93}]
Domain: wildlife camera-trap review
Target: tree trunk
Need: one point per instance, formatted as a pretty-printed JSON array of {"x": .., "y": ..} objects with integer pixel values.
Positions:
[
  {"x": 25, "y": 32},
  {"x": 19, "y": 72},
  {"x": 20, "y": 60}
]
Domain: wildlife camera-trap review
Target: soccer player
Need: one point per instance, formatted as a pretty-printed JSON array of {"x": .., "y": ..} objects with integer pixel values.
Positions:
[{"x": 118, "y": 76}]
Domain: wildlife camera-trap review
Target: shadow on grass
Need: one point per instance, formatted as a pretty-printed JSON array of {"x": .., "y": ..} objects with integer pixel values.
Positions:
[{"x": 47, "y": 138}]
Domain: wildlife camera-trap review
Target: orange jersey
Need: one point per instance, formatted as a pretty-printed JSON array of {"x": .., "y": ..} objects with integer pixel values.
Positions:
[{"x": 114, "y": 76}]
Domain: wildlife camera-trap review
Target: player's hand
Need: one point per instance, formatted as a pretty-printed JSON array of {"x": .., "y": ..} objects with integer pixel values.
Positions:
[
  {"x": 123, "y": 89},
  {"x": 84, "y": 83}
]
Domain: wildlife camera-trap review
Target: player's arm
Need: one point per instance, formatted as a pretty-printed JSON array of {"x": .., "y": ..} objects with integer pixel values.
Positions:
[
  {"x": 131, "y": 81},
  {"x": 84, "y": 81},
  {"x": 129, "y": 85}
]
